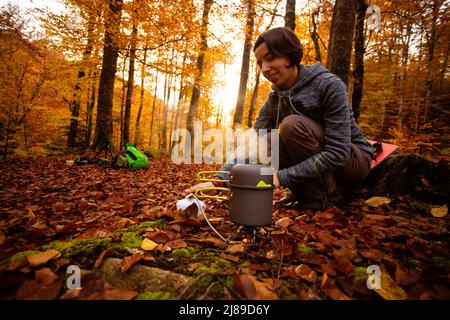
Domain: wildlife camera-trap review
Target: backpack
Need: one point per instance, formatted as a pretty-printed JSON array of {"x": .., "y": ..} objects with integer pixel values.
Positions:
[{"x": 131, "y": 158}]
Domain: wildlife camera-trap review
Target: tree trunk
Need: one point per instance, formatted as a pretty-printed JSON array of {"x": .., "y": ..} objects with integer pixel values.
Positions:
[
  {"x": 431, "y": 44},
  {"x": 341, "y": 38},
  {"x": 358, "y": 72},
  {"x": 200, "y": 62},
  {"x": 289, "y": 17},
  {"x": 141, "y": 101},
  {"x": 90, "y": 110},
  {"x": 104, "y": 128},
  {"x": 404, "y": 62},
  {"x": 130, "y": 87},
  {"x": 153, "y": 110},
  {"x": 239, "y": 112},
  {"x": 76, "y": 102},
  {"x": 315, "y": 35}
]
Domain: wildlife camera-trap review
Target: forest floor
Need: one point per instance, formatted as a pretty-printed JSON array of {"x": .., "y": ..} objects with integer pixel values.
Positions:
[{"x": 54, "y": 215}]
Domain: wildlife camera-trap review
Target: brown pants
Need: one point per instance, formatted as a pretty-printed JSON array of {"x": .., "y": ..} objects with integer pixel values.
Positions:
[{"x": 301, "y": 138}]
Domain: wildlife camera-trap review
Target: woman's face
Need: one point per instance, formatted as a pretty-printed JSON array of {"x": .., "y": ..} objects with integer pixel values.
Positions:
[{"x": 276, "y": 69}]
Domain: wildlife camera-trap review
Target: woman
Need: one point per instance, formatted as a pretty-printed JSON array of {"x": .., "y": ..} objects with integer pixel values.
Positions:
[{"x": 321, "y": 147}]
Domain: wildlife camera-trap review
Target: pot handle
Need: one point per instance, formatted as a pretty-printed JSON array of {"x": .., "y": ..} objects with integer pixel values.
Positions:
[
  {"x": 203, "y": 176},
  {"x": 199, "y": 193}
]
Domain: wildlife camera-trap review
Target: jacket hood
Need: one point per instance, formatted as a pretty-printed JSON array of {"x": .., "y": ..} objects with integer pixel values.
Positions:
[{"x": 306, "y": 74}]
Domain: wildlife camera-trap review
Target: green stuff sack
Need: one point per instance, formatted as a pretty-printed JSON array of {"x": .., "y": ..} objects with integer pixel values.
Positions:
[{"x": 135, "y": 157}]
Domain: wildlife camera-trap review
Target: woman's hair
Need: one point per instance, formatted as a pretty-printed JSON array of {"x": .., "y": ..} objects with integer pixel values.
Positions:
[{"x": 282, "y": 42}]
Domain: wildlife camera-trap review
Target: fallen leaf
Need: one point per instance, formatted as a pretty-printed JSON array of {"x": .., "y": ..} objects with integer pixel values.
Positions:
[
  {"x": 34, "y": 290},
  {"x": 345, "y": 253},
  {"x": 306, "y": 273},
  {"x": 253, "y": 289},
  {"x": 175, "y": 244},
  {"x": 406, "y": 277},
  {"x": 283, "y": 223},
  {"x": 43, "y": 257},
  {"x": 377, "y": 201},
  {"x": 102, "y": 256},
  {"x": 439, "y": 212},
  {"x": 148, "y": 244},
  {"x": 235, "y": 248},
  {"x": 31, "y": 215},
  {"x": 324, "y": 279},
  {"x": 372, "y": 254},
  {"x": 129, "y": 261},
  {"x": 333, "y": 291},
  {"x": 45, "y": 276},
  {"x": 71, "y": 294},
  {"x": 2, "y": 237},
  {"x": 229, "y": 257},
  {"x": 389, "y": 289}
]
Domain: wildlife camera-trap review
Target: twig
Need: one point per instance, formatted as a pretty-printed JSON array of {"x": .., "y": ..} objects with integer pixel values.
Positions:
[{"x": 203, "y": 296}]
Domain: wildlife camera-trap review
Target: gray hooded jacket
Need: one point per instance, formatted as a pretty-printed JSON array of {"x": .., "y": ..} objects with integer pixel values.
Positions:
[{"x": 320, "y": 96}]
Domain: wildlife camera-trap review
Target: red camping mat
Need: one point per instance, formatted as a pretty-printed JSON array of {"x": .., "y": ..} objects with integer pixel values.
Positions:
[{"x": 382, "y": 154}]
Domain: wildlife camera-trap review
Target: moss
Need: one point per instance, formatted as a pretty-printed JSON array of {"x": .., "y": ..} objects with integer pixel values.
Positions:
[
  {"x": 20, "y": 255},
  {"x": 184, "y": 252},
  {"x": 143, "y": 225},
  {"x": 129, "y": 240},
  {"x": 155, "y": 295},
  {"x": 440, "y": 261},
  {"x": 304, "y": 248},
  {"x": 81, "y": 247},
  {"x": 360, "y": 274}
]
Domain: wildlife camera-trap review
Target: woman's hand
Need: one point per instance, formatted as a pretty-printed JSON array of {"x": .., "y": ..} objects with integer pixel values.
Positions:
[
  {"x": 199, "y": 185},
  {"x": 276, "y": 180}
]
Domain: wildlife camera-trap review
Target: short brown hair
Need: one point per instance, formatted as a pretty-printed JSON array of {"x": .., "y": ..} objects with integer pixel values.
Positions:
[{"x": 282, "y": 41}]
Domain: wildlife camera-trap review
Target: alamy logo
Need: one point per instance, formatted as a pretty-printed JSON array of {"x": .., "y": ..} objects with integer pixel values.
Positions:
[
  {"x": 374, "y": 279},
  {"x": 74, "y": 280},
  {"x": 242, "y": 146}
]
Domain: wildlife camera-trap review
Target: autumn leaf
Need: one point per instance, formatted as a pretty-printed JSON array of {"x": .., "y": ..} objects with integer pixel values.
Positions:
[
  {"x": 306, "y": 273},
  {"x": 148, "y": 245},
  {"x": 129, "y": 261},
  {"x": 102, "y": 257},
  {"x": 43, "y": 257},
  {"x": 377, "y": 201},
  {"x": 389, "y": 289},
  {"x": 253, "y": 289},
  {"x": 175, "y": 244},
  {"x": 439, "y": 212},
  {"x": 45, "y": 276},
  {"x": 235, "y": 248}
]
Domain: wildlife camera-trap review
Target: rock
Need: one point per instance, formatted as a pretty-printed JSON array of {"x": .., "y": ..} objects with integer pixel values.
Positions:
[{"x": 142, "y": 278}]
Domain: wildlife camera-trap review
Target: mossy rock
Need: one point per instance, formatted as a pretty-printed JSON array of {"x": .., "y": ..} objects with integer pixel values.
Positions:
[{"x": 88, "y": 248}]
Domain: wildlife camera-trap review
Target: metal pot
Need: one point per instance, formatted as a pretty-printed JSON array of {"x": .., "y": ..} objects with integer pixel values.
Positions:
[{"x": 251, "y": 194}]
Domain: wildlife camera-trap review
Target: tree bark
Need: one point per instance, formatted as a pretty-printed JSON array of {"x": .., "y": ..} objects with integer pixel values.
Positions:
[
  {"x": 76, "y": 102},
  {"x": 130, "y": 87},
  {"x": 289, "y": 18},
  {"x": 315, "y": 36},
  {"x": 341, "y": 39},
  {"x": 104, "y": 128},
  {"x": 239, "y": 111},
  {"x": 141, "y": 101},
  {"x": 200, "y": 62},
  {"x": 358, "y": 72},
  {"x": 90, "y": 110},
  {"x": 153, "y": 110}
]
